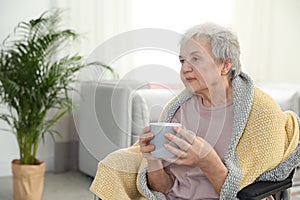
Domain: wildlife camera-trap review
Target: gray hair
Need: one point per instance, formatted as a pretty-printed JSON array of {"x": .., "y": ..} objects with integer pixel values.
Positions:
[{"x": 224, "y": 44}]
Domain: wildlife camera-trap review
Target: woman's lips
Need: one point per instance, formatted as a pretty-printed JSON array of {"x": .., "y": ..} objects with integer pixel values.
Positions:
[{"x": 190, "y": 79}]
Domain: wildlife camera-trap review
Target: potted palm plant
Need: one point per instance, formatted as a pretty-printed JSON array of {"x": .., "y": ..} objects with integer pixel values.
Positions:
[{"x": 35, "y": 78}]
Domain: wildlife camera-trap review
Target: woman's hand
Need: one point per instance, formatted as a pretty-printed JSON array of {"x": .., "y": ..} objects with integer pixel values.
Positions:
[
  {"x": 192, "y": 149},
  {"x": 195, "y": 151},
  {"x": 145, "y": 147},
  {"x": 157, "y": 178}
]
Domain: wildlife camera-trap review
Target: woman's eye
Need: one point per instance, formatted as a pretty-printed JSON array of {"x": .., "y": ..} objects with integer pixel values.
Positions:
[
  {"x": 195, "y": 59},
  {"x": 181, "y": 61}
]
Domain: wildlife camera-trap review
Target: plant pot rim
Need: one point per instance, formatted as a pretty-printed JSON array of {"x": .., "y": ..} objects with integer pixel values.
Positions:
[{"x": 18, "y": 162}]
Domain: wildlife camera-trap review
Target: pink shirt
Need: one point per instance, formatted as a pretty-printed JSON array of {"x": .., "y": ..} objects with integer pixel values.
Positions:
[{"x": 214, "y": 124}]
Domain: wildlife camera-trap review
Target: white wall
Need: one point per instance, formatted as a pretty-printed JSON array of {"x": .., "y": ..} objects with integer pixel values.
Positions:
[
  {"x": 268, "y": 29},
  {"x": 12, "y": 12},
  {"x": 285, "y": 41},
  {"x": 177, "y": 16},
  {"x": 269, "y": 35}
]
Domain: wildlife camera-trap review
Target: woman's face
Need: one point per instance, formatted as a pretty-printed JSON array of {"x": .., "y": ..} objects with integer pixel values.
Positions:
[{"x": 200, "y": 73}]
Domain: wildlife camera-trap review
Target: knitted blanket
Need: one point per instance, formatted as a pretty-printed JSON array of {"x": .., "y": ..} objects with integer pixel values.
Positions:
[{"x": 264, "y": 146}]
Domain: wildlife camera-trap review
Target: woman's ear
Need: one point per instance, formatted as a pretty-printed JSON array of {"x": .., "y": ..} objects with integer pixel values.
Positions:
[{"x": 226, "y": 66}]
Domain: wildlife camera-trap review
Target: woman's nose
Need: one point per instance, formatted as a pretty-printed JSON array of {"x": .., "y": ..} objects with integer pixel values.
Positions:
[{"x": 187, "y": 66}]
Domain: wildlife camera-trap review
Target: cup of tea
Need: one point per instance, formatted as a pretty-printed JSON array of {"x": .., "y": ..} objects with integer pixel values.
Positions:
[{"x": 159, "y": 129}]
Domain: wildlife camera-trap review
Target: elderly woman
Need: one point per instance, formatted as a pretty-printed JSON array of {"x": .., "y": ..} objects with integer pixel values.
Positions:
[{"x": 240, "y": 135}]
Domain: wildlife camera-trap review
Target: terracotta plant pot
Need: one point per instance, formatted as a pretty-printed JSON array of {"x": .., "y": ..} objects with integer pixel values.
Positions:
[{"x": 28, "y": 180}]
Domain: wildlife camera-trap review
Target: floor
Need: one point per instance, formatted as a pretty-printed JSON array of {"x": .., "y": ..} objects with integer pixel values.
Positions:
[
  {"x": 62, "y": 186},
  {"x": 75, "y": 186}
]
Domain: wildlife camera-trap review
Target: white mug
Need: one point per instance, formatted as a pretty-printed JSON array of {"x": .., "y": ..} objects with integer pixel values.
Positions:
[{"x": 159, "y": 130}]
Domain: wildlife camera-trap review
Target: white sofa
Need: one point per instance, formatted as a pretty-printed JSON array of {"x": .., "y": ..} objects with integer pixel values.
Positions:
[{"x": 112, "y": 114}]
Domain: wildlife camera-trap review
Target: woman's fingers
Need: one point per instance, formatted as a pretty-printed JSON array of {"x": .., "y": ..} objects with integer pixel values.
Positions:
[
  {"x": 182, "y": 144},
  {"x": 144, "y": 140},
  {"x": 184, "y": 139},
  {"x": 174, "y": 150},
  {"x": 147, "y": 149},
  {"x": 144, "y": 143},
  {"x": 145, "y": 136},
  {"x": 145, "y": 130},
  {"x": 187, "y": 135}
]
